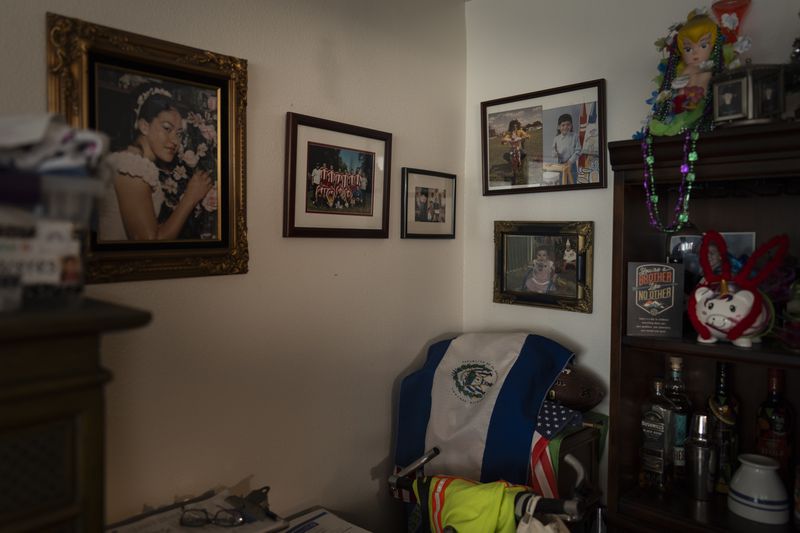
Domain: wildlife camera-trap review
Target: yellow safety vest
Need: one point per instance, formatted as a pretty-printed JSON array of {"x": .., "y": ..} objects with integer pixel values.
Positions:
[{"x": 467, "y": 506}]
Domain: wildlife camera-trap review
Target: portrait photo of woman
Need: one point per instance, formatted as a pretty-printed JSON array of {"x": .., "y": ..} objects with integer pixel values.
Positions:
[{"x": 163, "y": 157}]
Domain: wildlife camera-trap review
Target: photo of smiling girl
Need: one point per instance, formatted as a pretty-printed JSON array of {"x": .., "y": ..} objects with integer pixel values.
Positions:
[{"x": 163, "y": 161}]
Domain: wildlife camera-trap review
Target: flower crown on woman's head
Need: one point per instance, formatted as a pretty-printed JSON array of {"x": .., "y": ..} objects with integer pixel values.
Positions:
[{"x": 145, "y": 96}]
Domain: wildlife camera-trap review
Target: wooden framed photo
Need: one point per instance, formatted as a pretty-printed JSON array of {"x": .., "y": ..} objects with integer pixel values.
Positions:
[
  {"x": 175, "y": 119},
  {"x": 429, "y": 205},
  {"x": 730, "y": 99},
  {"x": 546, "y": 264},
  {"x": 337, "y": 179},
  {"x": 550, "y": 140}
]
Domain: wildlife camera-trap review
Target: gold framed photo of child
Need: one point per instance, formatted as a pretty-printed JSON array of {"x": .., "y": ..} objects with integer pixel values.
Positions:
[
  {"x": 175, "y": 121},
  {"x": 546, "y": 264}
]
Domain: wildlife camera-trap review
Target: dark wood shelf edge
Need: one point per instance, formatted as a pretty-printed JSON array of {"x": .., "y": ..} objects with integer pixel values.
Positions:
[
  {"x": 767, "y": 355},
  {"x": 760, "y": 142},
  {"x": 639, "y": 508},
  {"x": 85, "y": 316}
]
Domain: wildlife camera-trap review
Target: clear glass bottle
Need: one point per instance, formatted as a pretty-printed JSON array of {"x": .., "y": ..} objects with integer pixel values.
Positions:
[
  {"x": 675, "y": 391},
  {"x": 775, "y": 421},
  {"x": 656, "y": 456},
  {"x": 724, "y": 408}
]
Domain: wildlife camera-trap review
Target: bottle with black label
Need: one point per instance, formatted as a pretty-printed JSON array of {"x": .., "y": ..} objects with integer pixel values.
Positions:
[
  {"x": 724, "y": 408},
  {"x": 675, "y": 391},
  {"x": 656, "y": 456}
]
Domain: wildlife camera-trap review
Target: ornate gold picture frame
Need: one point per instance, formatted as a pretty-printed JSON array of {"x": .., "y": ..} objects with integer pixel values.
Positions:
[
  {"x": 176, "y": 122},
  {"x": 546, "y": 264}
]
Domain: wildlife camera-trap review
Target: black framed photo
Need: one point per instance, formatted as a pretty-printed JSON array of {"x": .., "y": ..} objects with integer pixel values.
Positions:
[
  {"x": 546, "y": 264},
  {"x": 550, "y": 140},
  {"x": 768, "y": 93},
  {"x": 337, "y": 179},
  {"x": 175, "y": 119},
  {"x": 730, "y": 99},
  {"x": 429, "y": 205}
]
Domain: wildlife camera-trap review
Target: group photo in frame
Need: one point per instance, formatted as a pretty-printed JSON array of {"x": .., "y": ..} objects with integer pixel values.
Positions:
[
  {"x": 543, "y": 141},
  {"x": 175, "y": 120},
  {"x": 546, "y": 264},
  {"x": 337, "y": 179},
  {"x": 429, "y": 205}
]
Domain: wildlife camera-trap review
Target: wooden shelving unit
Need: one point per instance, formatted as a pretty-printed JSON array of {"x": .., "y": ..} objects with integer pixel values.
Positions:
[{"x": 748, "y": 179}]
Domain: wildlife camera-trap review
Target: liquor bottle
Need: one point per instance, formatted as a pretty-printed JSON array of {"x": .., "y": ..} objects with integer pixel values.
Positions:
[
  {"x": 675, "y": 391},
  {"x": 656, "y": 457},
  {"x": 775, "y": 424},
  {"x": 724, "y": 408}
]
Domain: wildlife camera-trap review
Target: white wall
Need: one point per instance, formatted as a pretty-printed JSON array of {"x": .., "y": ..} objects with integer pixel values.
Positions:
[
  {"x": 285, "y": 375},
  {"x": 518, "y": 46}
]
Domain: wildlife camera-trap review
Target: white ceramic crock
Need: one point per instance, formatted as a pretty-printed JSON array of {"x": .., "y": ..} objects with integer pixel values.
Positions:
[{"x": 756, "y": 491}]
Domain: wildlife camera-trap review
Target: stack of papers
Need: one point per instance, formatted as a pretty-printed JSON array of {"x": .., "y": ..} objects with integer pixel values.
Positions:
[{"x": 319, "y": 520}]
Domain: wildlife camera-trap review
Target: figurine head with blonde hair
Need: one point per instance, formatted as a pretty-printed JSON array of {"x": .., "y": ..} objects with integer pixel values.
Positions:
[{"x": 696, "y": 39}]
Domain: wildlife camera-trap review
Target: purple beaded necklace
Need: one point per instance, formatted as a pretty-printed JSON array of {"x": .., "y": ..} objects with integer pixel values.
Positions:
[{"x": 680, "y": 215}]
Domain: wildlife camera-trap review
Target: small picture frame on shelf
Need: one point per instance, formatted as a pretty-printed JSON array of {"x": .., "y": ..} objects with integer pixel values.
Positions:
[
  {"x": 751, "y": 94},
  {"x": 429, "y": 205},
  {"x": 768, "y": 94},
  {"x": 730, "y": 100},
  {"x": 685, "y": 249}
]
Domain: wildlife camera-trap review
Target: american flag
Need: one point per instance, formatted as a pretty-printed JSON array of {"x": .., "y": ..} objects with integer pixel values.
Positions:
[{"x": 553, "y": 419}]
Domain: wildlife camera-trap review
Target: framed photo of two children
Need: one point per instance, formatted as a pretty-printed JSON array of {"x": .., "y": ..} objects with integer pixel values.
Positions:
[{"x": 549, "y": 140}]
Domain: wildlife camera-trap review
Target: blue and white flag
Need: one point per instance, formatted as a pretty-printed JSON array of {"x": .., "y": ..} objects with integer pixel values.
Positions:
[{"x": 477, "y": 399}]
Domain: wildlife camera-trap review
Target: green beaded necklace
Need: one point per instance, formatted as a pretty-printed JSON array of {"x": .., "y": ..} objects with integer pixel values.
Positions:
[{"x": 691, "y": 135}]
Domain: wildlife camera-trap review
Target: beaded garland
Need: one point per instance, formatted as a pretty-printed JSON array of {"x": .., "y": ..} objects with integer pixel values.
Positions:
[
  {"x": 663, "y": 111},
  {"x": 681, "y": 212}
]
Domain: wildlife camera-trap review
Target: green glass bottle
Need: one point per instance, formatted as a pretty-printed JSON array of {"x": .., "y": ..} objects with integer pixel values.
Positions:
[
  {"x": 775, "y": 421},
  {"x": 676, "y": 393},
  {"x": 724, "y": 408}
]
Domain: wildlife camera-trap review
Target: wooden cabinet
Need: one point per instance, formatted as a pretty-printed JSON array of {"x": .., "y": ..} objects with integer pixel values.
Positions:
[
  {"x": 748, "y": 179},
  {"x": 51, "y": 415}
]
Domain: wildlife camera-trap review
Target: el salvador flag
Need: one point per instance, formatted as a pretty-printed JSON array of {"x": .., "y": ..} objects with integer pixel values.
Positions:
[{"x": 477, "y": 399}]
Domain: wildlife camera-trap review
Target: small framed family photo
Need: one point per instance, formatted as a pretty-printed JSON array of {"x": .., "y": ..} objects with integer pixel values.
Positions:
[
  {"x": 337, "y": 179},
  {"x": 175, "y": 120},
  {"x": 686, "y": 249},
  {"x": 429, "y": 205},
  {"x": 545, "y": 264},
  {"x": 730, "y": 99},
  {"x": 550, "y": 140}
]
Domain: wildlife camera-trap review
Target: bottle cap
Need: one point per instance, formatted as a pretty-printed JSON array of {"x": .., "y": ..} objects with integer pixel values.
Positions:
[{"x": 675, "y": 362}]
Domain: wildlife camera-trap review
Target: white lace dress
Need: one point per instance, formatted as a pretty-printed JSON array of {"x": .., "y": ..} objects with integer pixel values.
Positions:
[{"x": 131, "y": 166}]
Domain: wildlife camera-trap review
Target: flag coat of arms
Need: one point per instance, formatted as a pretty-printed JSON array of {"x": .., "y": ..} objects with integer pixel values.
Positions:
[{"x": 477, "y": 398}]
